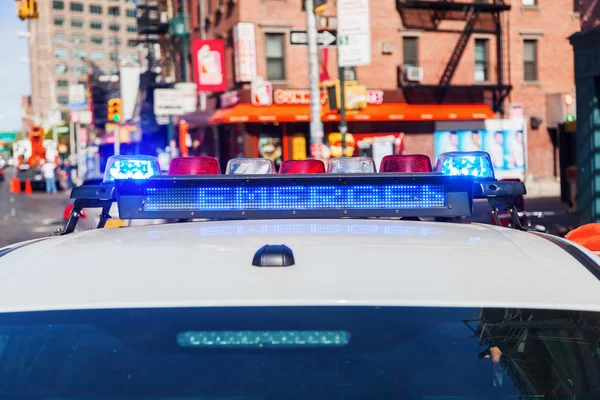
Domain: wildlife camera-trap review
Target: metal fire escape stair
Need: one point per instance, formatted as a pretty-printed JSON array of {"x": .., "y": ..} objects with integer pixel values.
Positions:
[{"x": 463, "y": 40}]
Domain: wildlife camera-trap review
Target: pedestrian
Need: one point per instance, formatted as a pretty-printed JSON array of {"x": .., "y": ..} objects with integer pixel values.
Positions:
[
  {"x": 68, "y": 171},
  {"x": 48, "y": 171}
]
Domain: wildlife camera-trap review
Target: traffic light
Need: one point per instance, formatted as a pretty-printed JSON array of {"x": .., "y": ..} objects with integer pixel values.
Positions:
[
  {"x": 27, "y": 9},
  {"x": 114, "y": 111},
  {"x": 319, "y": 6}
]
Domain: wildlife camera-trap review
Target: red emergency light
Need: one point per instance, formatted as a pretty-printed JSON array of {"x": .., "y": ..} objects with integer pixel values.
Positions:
[
  {"x": 405, "y": 163},
  {"x": 69, "y": 209},
  {"x": 302, "y": 167},
  {"x": 194, "y": 166}
]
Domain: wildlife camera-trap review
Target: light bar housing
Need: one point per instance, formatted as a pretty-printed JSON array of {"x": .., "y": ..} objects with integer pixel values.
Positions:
[{"x": 295, "y": 196}]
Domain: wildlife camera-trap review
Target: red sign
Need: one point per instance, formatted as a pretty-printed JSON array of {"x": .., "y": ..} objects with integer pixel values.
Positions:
[
  {"x": 302, "y": 96},
  {"x": 209, "y": 65}
]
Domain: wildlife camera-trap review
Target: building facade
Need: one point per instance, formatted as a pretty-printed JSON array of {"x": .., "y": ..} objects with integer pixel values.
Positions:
[
  {"x": 67, "y": 38},
  {"x": 501, "y": 54}
]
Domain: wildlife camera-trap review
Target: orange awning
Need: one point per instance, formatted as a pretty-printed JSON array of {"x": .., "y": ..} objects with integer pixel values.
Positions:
[{"x": 378, "y": 113}]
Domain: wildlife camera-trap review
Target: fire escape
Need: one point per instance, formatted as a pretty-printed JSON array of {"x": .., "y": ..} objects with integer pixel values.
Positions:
[{"x": 443, "y": 16}]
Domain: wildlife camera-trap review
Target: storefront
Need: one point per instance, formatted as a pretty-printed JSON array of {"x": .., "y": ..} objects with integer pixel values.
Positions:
[{"x": 276, "y": 125}]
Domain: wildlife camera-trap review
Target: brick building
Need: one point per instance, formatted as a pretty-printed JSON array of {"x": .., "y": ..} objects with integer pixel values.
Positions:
[{"x": 533, "y": 62}]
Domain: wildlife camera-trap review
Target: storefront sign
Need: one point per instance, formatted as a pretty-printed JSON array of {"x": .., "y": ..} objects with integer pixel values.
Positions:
[
  {"x": 302, "y": 96},
  {"x": 190, "y": 93},
  {"x": 244, "y": 51},
  {"x": 230, "y": 99},
  {"x": 261, "y": 92},
  {"x": 209, "y": 65}
]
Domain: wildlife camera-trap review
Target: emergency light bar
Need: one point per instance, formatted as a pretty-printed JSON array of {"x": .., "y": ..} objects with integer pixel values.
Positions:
[{"x": 295, "y": 196}]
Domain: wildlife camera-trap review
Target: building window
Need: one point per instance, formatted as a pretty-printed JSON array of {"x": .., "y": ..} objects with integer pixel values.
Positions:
[
  {"x": 131, "y": 1},
  {"x": 133, "y": 57},
  {"x": 81, "y": 71},
  {"x": 97, "y": 40},
  {"x": 80, "y": 54},
  {"x": 61, "y": 69},
  {"x": 131, "y": 13},
  {"x": 97, "y": 55},
  {"x": 97, "y": 25},
  {"x": 114, "y": 41},
  {"x": 115, "y": 56},
  {"x": 77, "y": 7},
  {"x": 132, "y": 28},
  {"x": 78, "y": 39},
  {"x": 59, "y": 21},
  {"x": 114, "y": 70},
  {"x": 530, "y": 3},
  {"x": 61, "y": 54},
  {"x": 58, "y": 5},
  {"x": 59, "y": 37},
  {"x": 410, "y": 49},
  {"x": 95, "y": 9},
  {"x": 275, "y": 56},
  {"x": 209, "y": 7},
  {"x": 530, "y": 68},
  {"x": 63, "y": 100},
  {"x": 115, "y": 11},
  {"x": 481, "y": 60},
  {"x": 576, "y": 6},
  {"x": 62, "y": 84},
  {"x": 77, "y": 23},
  {"x": 114, "y": 27}
]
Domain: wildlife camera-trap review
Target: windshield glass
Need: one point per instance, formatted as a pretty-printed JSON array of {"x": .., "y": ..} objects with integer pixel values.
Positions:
[{"x": 300, "y": 353}]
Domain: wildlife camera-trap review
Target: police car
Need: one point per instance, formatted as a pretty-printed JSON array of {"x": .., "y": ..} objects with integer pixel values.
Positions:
[{"x": 306, "y": 284}]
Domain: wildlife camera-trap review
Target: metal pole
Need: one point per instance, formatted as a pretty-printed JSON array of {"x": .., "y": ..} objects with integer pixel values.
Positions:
[
  {"x": 202, "y": 36},
  {"x": 316, "y": 125},
  {"x": 170, "y": 132},
  {"x": 72, "y": 144},
  {"x": 343, "y": 125},
  {"x": 184, "y": 42},
  {"x": 117, "y": 140}
]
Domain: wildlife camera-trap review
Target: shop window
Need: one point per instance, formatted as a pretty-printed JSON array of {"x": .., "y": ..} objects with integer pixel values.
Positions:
[{"x": 275, "y": 56}]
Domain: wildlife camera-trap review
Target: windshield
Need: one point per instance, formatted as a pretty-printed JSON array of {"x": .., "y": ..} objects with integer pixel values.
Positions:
[{"x": 300, "y": 353}]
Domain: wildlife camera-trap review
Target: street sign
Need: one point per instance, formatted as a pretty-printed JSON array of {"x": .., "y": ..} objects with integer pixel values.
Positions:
[
  {"x": 62, "y": 129},
  {"x": 81, "y": 116},
  {"x": 190, "y": 90},
  {"x": 325, "y": 38},
  {"x": 77, "y": 100},
  {"x": 354, "y": 33},
  {"x": 169, "y": 102}
]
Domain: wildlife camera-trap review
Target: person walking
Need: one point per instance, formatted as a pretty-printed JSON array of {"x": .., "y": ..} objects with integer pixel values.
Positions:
[{"x": 49, "y": 174}]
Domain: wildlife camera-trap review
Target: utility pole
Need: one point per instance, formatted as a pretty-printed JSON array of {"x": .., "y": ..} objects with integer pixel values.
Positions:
[
  {"x": 343, "y": 124},
  {"x": 202, "y": 36},
  {"x": 184, "y": 41},
  {"x": 316, "y": 126}
]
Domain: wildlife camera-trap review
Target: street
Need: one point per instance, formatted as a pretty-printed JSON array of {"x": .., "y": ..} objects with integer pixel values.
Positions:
[{"x": 25, "y": 217}]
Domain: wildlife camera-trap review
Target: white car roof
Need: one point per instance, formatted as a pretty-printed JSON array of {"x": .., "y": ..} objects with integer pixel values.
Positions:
[{"x": 337, "y": 262}]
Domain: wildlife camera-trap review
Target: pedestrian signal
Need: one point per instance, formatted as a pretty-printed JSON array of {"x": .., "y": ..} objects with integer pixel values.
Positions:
[{"x": 114, "y": 110}]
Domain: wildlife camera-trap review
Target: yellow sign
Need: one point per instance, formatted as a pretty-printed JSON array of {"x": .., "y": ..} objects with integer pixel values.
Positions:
[
  {"x": 335, "y": 144},
  {"x": 114, "y": 223},
  {"x": 356, "y": 97},
  {"x": 298, "y": 146}
]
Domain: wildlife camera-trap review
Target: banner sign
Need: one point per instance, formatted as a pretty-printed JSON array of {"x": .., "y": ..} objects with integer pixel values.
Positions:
[
  {"x": 209, "y": 65},
  {"x": 244, "y": 51}
]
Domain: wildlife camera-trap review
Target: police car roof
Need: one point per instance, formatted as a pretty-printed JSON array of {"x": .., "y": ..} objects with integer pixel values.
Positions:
[{"x": 338, "y": 262}]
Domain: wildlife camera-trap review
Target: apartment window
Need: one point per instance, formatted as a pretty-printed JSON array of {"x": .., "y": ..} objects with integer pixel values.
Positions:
[
  {"x": 97, "y": 25},
  {"x": 530, "y": 68},
  {"x": 275, "y": 56},
  {"x": 115, "y": 56},
  {"x": 78, "y": 39},
  {"x": 97, "y": 40},
  {"x": 61, "y": 54},
  {"x": 131, "y": 13},
  {"x": 481, "y": 60},
  {"x": 132, "y": 44},
  {"x": 131, "y": 1},
  {"x": 98, "y": 55},
  {"x": 59, "y": 21},
  {"x": 77, "y": 7},
  {"x": 80, "y": 54},
  {"x": 114, "y": 41},
  {"x": 209, "y": 7},
  {"x": 59, "y": 37},
  {"x": 115, "y": 11},
  {"x": 410, "y": 50},
  {"x": 132, "y": 28},
  {"x": 77, "y": 23},
  {"x": 58, "y": 5},
  {"x": 530, "y": 3},
  {"x": 62, "y": 84},
  {"x": 63, "y": 100},
  {"x": 114, "y": 27},
  {"x": 114, "y": 70},
  {"x": 81, "y": 71},
  {"x": 61, "y": 69},
  {"x": 95, "y": 9}
]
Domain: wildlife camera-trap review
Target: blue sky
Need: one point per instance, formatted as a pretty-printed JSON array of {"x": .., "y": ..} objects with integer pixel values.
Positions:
[{"x": 15, "y": 76}]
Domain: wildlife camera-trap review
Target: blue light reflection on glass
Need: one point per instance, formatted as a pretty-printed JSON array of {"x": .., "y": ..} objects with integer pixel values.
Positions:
[
  {"x": 296, "y": 198},
  {"x": 478, "y": 165},
  {"x": 264, "y": 339},
  {"x": 132, "y": 169}
]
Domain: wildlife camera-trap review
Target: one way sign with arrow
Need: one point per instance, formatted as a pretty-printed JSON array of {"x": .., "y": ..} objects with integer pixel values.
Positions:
[{"x": 325, "y": 38}]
